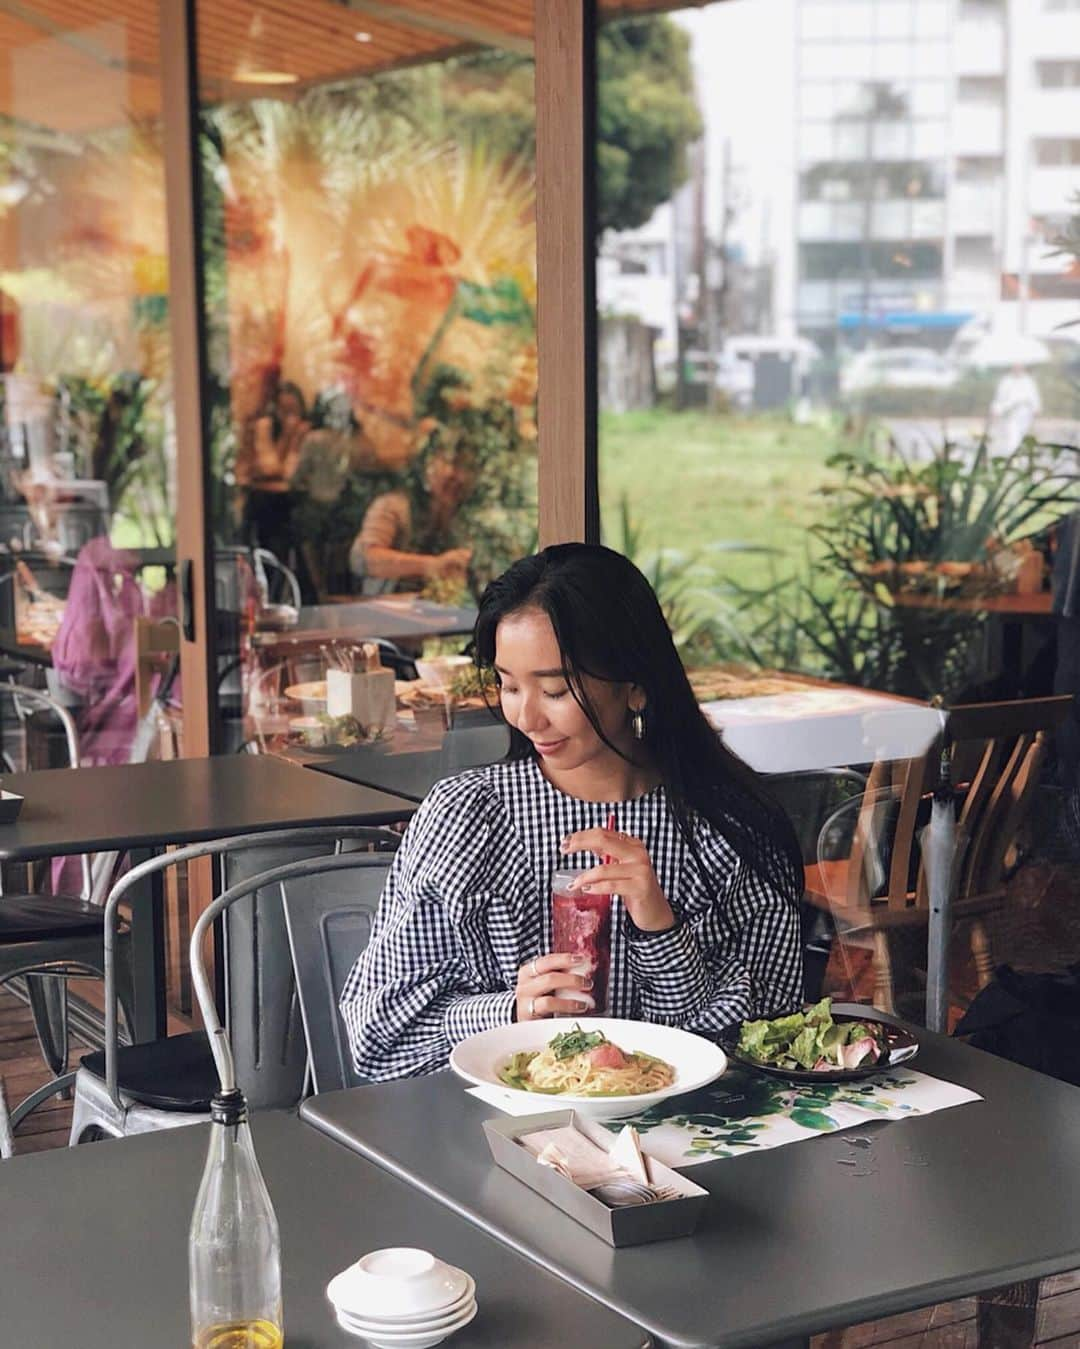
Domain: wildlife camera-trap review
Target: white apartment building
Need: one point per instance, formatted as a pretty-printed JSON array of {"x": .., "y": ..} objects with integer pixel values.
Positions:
[{"x": 937, "y": 153}]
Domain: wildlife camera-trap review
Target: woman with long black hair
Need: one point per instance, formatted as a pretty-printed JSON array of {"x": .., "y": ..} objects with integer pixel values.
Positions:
[{"x": 704, "y": 866}]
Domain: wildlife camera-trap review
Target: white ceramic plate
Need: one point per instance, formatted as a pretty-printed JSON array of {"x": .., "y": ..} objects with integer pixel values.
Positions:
[
  {"x": 339, "y": 1292},
  {"x": 446, "y": 1323},
  {"x": 696, "y": 1061},
  {"x": 389, "y": 1339},
  {"x": 310, "y": 696}
]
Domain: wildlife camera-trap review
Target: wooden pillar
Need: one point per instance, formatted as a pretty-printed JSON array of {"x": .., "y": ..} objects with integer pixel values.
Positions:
[
  {"x": 179, "y": 111},
  {"x": 565, "y": 233},
  {"x": 179, "y": 101}
]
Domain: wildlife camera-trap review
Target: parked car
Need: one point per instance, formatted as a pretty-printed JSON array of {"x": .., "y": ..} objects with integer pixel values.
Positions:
[{"x": 897, "y": 368}]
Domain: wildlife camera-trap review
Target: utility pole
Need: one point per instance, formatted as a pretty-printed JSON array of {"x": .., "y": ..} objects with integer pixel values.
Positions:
[{"x": 716, "y": 296}]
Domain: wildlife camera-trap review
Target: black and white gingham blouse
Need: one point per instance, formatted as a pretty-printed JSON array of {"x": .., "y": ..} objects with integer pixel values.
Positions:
[{"x": 467, "y": 902}]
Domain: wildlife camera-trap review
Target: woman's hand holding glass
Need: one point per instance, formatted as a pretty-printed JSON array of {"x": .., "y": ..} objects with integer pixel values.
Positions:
[
  {"x": 539, "y": 979},
  {"x": 627, "y": 871}
]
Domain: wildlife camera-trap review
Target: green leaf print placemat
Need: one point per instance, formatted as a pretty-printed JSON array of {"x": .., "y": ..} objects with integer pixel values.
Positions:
[{"x": 745, "y": 1112}]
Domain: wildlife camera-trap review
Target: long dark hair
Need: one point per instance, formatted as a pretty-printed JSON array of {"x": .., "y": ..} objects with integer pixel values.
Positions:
[{"x": 609, "y": 624}]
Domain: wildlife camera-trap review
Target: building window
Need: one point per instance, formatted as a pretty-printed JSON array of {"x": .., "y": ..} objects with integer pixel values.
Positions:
[
  {"x": 975, "y": 253},
  {"x": 980, "y": 89},
  {"x": 1058, "y": 74},
  {"x": 876, "y": 257},
  {"x": 1057, "y": 152},
  {"x": 911, "y": 179},
  {"x": 979, "y": 168}
]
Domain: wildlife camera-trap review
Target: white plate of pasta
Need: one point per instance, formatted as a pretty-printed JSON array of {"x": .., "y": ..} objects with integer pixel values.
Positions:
[{"x": 599, "y": 1066}]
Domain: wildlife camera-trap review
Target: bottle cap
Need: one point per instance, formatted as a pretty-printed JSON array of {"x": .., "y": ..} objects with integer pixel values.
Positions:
[{"x": 229, "y": 1107}]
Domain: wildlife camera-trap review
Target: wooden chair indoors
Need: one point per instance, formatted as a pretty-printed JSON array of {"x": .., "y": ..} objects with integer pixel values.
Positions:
[{"x": 869, "y": 874}]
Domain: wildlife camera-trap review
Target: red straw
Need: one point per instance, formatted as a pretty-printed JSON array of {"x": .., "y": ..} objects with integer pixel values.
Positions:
[{"x": 607, "y": 858}]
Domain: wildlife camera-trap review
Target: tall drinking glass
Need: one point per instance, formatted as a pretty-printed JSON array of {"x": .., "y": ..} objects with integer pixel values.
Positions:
[{"x": 581, "y": 927}]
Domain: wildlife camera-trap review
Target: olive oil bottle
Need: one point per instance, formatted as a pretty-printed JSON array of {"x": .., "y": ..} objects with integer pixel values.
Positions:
[{"x": 234, "y": 1248}]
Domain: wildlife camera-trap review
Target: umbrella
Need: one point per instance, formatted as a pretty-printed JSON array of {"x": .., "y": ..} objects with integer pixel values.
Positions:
[
  {"x": 938, "y": 842},
  {"x": 1003, "y": 349}
]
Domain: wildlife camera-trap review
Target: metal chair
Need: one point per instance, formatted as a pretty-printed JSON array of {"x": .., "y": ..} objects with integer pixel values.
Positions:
[
  {"x": 329, "y": 1059},
  {"x": 7, "y": 1141},
  {"x": 48, "y": 939},
  {"x": 166, "y": 1083},
  {"x": 263, "y": 560},
  {"x": 870, "y": 875},
  {"x": 328, "y": 919}
]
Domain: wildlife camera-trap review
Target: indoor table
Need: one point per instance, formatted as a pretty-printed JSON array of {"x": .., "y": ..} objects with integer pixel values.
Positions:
[
  {"x": 395, "y": 617},
  {"x": 97, "y": 1246},
  {"x": 793, "y": 1242},
  {"x": 144, "y": 807}
]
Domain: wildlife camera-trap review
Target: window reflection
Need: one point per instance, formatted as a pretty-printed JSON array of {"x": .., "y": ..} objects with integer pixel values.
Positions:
[
  {"x": 369, "y": 249},
  {"x": 87, "y": 504}
]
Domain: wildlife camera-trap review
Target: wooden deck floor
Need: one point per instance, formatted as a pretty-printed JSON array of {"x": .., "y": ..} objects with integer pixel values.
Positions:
[{"x": 1042, "y": 931}]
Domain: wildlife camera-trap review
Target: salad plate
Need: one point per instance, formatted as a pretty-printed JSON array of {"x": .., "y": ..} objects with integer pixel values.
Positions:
[{"x": 896, "y": 1045}]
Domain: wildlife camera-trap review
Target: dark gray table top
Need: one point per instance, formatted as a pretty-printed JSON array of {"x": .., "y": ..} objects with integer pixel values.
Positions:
[
  {"x": 413, "y": 772},
  {"x": 793, "y": 1243},
  {"x": 76, "y": 810},
  {"x": 391, "y": 616},
  {"x": 96, "y": 1249},
  {"x": 412, "y": 775}
]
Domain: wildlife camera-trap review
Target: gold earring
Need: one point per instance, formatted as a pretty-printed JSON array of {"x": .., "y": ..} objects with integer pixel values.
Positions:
[{"x": 637, "y": 723}]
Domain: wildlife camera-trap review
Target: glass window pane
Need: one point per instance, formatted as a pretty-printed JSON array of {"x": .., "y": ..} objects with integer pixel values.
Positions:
[
  {"x": 846, "y": 225},
  {"x": 370, "y": 251},
  {"x": 87, "y": 501}
]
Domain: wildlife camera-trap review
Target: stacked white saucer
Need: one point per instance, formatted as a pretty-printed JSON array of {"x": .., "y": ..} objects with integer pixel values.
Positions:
[{"x": 402, "y": 1298}]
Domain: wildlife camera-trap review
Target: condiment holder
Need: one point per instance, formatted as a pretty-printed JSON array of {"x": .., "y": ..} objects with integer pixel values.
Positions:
[
  {"x": 402, "y": 1298},
  {"x": 366, "y": 694}
]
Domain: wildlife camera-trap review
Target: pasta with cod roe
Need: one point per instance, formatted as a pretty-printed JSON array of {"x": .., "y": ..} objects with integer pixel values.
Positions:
[{"x": 586, "y": 1063}]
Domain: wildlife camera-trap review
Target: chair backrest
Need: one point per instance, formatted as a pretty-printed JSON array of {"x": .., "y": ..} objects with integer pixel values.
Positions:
[
  {"x": 24, "y": 700},
  {"x": 998, "y": 751},
  {"x": 154, "y": 637},
  {"x": 995, "y": 753},
  {"x": 264, "y": 560},
  {"x": 263, "y": 1009},
  {"x": 328, "y": 919},
  {"x": 265, "y": 881}
]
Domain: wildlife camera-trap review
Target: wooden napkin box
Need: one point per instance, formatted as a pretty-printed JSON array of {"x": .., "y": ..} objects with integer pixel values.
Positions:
[{"x": 631, "y": 1226}]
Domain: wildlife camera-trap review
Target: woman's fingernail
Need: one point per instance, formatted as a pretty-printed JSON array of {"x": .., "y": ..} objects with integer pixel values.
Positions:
[
  {"x": 585, "y": 889},
  {"x": 573, "y": 886},
  {"x": 564, "y": 846}
]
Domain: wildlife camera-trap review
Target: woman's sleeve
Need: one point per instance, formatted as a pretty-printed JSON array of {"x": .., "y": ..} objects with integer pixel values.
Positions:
[
  {"x": 386, "y": 524},
  {"x": 415, "y": 992},
  {"x": 733, "y": 957}
]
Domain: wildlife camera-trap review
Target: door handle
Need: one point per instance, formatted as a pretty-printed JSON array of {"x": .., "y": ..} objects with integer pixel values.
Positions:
[{"x": 187, "y": 599}]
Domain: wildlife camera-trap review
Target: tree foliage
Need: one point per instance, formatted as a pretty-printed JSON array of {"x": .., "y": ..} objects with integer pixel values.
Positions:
[{"x": 646, "y": 116}]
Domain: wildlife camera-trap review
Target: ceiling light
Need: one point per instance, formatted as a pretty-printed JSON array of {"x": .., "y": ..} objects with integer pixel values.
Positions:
[
  {"x": 265, "y": 77},
  {"x": 362, "y": 36}
]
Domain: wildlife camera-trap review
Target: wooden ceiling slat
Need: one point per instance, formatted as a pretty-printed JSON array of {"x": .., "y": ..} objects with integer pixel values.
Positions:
[
  {"x": 220, "y": 47},
  {"x": 300, "y": 32},
  {"x": 313, "y": 39}
]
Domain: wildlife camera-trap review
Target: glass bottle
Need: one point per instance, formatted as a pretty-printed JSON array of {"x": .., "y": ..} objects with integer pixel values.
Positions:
[{"x": 234, "y": 1249}]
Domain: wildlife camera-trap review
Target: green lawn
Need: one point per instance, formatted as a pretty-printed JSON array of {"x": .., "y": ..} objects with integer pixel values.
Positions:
[{"x": 690, "y": 480}]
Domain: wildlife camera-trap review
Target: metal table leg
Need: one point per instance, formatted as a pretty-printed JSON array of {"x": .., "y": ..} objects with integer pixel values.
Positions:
[{"x": 148, "y": 953}]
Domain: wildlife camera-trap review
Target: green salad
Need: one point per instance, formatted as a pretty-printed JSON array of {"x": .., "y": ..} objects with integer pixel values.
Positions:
[{"x": 812, "y": 1040}]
